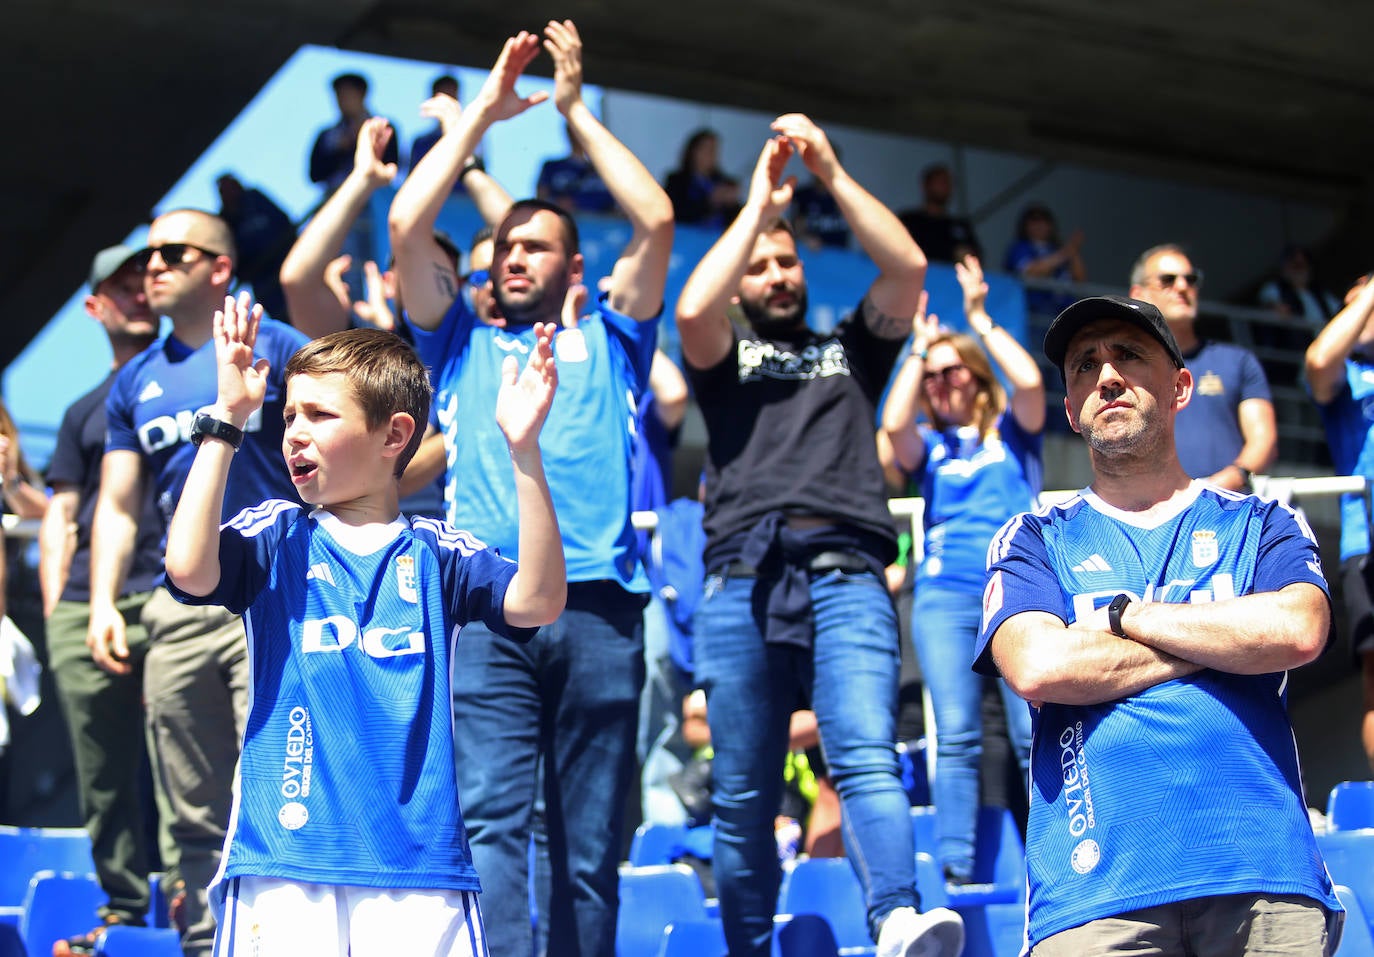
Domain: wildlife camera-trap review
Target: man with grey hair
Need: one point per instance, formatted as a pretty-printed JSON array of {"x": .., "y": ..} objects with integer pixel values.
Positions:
[{"x": 1227, "y": 432}]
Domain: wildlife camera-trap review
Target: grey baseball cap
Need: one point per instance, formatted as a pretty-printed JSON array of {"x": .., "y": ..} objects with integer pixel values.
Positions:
[
  {"x": 107, "y": 262},
  {"x": 1084, "y": 311}
]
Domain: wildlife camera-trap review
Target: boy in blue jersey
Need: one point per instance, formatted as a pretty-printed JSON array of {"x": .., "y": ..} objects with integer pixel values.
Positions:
[
  {"x": 347, "y": 836},
  {"x": 1151, "y": 621}
]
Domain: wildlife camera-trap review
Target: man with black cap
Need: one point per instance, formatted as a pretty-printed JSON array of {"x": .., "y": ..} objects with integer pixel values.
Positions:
[
  {"x": 1150, "y": 621},
  {"x": 104, "y": 711}
]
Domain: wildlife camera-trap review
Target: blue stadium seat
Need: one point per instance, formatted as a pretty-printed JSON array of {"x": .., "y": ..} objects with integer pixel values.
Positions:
[
  {"x": 999, "y": 864},
  {"x": 666, "y": 843},
  {"x": 139, "y": 942},
  {"x": 1350, "y": 806},
  {"x": 657, "y": 844},
  {"x": 58, "y": 906},
  {"x": 693, "y": 938},
  {"x": 911, "y": 762},
  {"x": 651, "y": 898},
  {"x": 1349, "y": 857},
  {"x": 803, "y": 935},
  {"x": 1357, "y": 939},
  {"x": 829, "y": 887},
  {"x": 24, "y": 851}
]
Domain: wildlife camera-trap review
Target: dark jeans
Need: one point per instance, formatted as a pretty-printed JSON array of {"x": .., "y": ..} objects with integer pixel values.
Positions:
[
  {"x": 572, "y": 695},
  {"x": 752, "y": 688}
]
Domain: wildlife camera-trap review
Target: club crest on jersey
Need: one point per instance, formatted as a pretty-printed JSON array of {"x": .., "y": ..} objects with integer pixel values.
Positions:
[
  {"x": 405, "y": 579},
  {"x": 1205, "y": 551}
]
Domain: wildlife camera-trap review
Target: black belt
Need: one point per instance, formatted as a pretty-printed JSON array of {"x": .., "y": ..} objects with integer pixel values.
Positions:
[{"x": 820, "y": 562}]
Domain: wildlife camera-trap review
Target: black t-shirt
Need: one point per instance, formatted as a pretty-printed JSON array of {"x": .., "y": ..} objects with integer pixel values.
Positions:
[
  {"x": 76, "y": 461},
  {"x": 941, "y": 238},
  {"x": 790, "y": 427}
]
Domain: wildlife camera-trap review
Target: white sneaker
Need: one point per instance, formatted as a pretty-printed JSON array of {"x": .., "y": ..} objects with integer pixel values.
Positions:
[{"x": 936, "y": 933}]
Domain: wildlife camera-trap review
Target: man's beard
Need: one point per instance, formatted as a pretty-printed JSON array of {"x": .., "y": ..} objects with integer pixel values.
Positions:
[
  {"x": 780, "y": 322},
  {"x": 532, "y": 307}
]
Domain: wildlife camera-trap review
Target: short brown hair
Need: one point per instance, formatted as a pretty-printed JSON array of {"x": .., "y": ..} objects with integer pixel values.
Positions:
[{"x": 384, "y": 372}]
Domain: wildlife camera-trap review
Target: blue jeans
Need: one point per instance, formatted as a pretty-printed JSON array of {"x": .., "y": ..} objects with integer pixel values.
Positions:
[
  {"x": 752, "y": 688},
  {"x": 572, "y": 695},
  {"x": 660, "y": 747},
  {"x": 944, "y": 629}
]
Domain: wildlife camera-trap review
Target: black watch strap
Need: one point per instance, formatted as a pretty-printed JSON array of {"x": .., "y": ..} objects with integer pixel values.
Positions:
[
  {"x": 1114, "y": 611},
  {"x": 204, "y": 425}
]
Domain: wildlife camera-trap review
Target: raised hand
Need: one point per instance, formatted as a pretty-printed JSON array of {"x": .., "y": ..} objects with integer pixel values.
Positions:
[
  {"x": 810, "y": 142},
  {"x": 924, "y": 328},
  {"x": 525, "y": 396},
  {"x": 565, "y": 46},
  {"x": 370, "y": 149},
  {"x": 242, "y": 382},
  {"x": 767, "y": 189},
  {"x": 573, "y": 302},
  {"x": 374, "y": 308},
  {"x": 497, "y": 98},
  {"x": 444, "y": 109},
  {"x": 969, "y": 272}
]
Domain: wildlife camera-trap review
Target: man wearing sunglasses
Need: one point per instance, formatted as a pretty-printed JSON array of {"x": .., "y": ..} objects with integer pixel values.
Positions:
[
  {"x": 195, "y": 677},
  {"x": 1228, "y": 431}
]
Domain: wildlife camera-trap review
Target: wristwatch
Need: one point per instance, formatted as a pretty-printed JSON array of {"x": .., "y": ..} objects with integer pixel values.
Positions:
[
  {"x": 204, "y": 425},
  {"x": 473, "y": 163},
  {"x": 1114, "y": 611}
]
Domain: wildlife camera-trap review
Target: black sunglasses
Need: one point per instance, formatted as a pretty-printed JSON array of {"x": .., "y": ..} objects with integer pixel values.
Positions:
[
  {"x": 173, "y": 254},
  {"x": 1168, "y": 279}
]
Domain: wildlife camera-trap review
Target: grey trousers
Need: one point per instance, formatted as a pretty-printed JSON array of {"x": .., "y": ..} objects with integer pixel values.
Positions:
[{"x": 195, "y": 682}]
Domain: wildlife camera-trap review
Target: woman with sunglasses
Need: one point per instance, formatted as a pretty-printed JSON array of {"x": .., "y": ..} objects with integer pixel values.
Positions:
[{"x": 974, "y": 456}]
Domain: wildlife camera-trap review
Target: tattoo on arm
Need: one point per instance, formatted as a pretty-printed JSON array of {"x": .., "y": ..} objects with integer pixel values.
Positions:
[
  {"x": 882, "y": 325},
  {"x": 445, "y": 281}
]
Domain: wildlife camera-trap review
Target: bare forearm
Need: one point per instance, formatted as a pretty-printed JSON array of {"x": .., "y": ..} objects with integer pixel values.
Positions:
[
  {"x": 1249, "y": 635},
  {"x": 1045, "y": 661},
  {"x": 539, "y": 590},
  {"x": 193, "y": 536},
  {"x": 901, "y": 263},
  {"x": 1325, "y": 359},
  {"x": 705, "y": 297},
  {"x": 422, "y": 194},
  {"x": 1011, "y": 357},
  {"x": 113, "y": 534},
  {"x": 56, "y": 545},
  {"x": 489, "y": 196}
]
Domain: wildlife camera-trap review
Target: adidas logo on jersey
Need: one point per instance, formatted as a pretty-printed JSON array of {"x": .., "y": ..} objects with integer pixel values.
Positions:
[
  {"x": 150, "y": 391},
  {"x": 1093, "y": 563},
  {"x": 320, "y": 572}
]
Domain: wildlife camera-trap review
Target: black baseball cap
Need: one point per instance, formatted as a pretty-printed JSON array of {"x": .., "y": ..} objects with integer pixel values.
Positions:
[
  {"x": 1084, "y": 311},
  {"x": 107, "y": 262}
]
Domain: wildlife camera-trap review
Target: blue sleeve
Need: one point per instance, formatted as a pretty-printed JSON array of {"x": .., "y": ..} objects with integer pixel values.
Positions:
[
  {"x": 475, "y": 578},
  {"x": 282, "y": 342},
  {"x": 1254, "y": 385},
  {"x": 119, "y": 408},
  {"x": 1020, "y": 578},
  {"x": 637, "y": 336},
  {"x": 1288, "y": 552},
  {"x": 437, "y": 346},
  {"x": 247, "y": 544},
  {"x": 1018, "y": 254}
]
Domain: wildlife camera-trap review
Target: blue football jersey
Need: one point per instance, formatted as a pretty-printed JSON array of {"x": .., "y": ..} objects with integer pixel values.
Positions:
[
  {"x": 1189, "y": 788},
  {"x": 158, "y": 393},
  {"x": 346, "y": 774},
  {"x": 587, "y": 441},
  {"x": 970, "y": 487}
]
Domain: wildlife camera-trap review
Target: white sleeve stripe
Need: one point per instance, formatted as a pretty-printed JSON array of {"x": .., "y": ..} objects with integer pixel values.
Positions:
[
  {"x": 451, "y": 538},
  {"x": 1001, "y": 542},
  {"x": 254, "y": 519}
]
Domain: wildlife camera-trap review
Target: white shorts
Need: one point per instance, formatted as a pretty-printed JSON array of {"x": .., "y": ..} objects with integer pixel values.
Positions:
[{"x": 270, "y": 917}]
